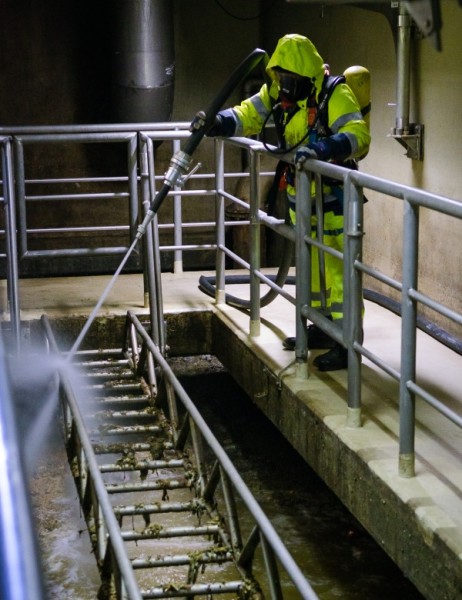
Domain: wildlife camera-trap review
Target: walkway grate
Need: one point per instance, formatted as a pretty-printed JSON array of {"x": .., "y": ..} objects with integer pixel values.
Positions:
[
  {"x": 175, "y": 539},
  {"x": 167, "y": 512}
]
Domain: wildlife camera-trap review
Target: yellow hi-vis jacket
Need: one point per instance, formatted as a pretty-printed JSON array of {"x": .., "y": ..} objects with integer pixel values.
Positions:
[{"x": 297, "y": 54}]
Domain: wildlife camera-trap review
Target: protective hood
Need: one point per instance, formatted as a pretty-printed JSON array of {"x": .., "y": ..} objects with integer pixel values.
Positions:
[{"x": 297, "y": 53}]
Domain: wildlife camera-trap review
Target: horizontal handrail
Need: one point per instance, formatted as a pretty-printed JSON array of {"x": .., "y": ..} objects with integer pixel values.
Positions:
[{"x": 354, "y": 183}]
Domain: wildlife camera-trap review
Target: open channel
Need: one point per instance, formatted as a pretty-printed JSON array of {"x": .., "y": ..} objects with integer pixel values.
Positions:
[{"x": 337, "y": 555}]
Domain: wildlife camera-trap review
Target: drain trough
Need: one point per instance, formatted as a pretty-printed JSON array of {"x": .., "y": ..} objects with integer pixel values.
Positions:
[{"x": 156, "y": 489}]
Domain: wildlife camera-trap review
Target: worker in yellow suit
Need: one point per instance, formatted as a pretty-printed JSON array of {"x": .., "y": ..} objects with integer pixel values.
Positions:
[{"x": 335, "y": 132}]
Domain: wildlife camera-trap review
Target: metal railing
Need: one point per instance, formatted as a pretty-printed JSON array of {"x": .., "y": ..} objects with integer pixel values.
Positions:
[
  {"x": 215, "y": 473},
  {"x": 222, "y": 474},
  {"x": 110, "y": 542},
  {"x": 354, "y": 267},
  {"x": 349, "y": 334},
  {"x": 134, "y": 188},
  {"x": 143, "y": 174}
]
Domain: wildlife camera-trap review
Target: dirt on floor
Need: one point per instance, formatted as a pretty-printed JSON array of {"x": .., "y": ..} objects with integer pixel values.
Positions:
[{"x": 69, "y": 566}]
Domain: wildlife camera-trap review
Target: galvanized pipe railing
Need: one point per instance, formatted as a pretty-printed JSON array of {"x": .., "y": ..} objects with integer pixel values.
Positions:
[
  {"x": 109, "y": 544},
  {"x": 12, "y": 267},
  {"x": 225, "y": 473},
  {"x": 354, "y": 182},
  {"x": 20, "y": 141},
  {"x": 412, "y": 198}
]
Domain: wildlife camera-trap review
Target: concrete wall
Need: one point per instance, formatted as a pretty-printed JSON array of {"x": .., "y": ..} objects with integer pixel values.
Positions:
[
  {"x": 347, "y": 36},
  {"x": 55, "y": 66}
]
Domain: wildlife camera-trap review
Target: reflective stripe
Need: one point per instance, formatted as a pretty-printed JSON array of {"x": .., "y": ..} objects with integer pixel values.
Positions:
[
  {"x": 251, "y": 113},
  {"x": 239, "y": 130},
  {"x": 259, "y": 106},
  {"x": 344, "y": 119},
  {"x": 353, "y": 142},
  {"x": 316, "y": 296}
]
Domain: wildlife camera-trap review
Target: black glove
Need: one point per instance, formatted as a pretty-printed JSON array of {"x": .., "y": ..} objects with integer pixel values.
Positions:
[
  {"x": 217, "y": 129},
  {"x": 335, "y": 147},
  {"x": 198, "y": 122},
  {"x": 224, "y": 124}
]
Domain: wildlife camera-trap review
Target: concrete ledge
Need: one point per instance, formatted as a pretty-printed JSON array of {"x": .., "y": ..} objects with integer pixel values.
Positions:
[{"x": 359, "y": 464}]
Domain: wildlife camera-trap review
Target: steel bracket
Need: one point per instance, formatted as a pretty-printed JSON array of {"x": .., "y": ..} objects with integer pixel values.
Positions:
[{"x": 411, "y": 139}]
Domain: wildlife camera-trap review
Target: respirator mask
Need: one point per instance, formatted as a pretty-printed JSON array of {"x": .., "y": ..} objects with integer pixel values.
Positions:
[{"x": 293, "y": 87}]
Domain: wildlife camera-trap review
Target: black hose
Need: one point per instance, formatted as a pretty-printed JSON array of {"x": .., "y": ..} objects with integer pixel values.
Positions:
[
  {"x": 237, "y": 77},
  {"x": 207, "y": 285},
  {"x": 423, "y": 324}
]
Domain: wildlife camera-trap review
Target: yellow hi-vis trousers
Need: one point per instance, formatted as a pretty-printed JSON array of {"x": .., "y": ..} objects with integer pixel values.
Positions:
[{"x": 333, "y": 238}]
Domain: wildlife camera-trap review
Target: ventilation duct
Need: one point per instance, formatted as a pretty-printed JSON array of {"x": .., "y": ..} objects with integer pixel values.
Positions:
[{"x": 143, "y": 61}]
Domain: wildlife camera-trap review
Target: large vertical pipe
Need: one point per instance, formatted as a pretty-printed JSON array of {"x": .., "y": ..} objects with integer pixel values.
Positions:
[
  {"x": 403, "y": 75},
  {"x": 143, "y": 61}
]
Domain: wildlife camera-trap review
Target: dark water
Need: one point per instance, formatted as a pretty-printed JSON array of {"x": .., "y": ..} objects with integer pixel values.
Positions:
[{"x": 332, "y": 549}]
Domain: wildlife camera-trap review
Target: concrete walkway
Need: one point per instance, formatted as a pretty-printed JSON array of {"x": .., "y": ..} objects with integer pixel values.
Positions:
[{"x": 435, "y": 494}]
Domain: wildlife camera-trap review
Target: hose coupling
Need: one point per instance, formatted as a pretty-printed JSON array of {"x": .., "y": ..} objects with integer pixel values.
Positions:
[{"x": 179, "y": 165}]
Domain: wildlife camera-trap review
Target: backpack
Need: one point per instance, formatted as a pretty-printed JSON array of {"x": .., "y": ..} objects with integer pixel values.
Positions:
[{"x": 358, "y": 80}]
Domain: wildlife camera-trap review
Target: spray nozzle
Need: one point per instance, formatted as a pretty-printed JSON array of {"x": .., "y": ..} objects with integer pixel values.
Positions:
[
  {"x": 142, "y": 226},
  {"x": 176, "y": 175}
]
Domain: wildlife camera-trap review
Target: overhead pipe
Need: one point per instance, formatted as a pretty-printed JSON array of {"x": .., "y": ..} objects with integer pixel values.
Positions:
[
  {"x": 403, "y": 73},
  {"x": 409, "y": 135},
  {"x": 143, "y": 61}
]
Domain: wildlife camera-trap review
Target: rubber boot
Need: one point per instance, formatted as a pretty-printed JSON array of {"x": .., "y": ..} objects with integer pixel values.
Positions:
[
  {"x": 317, "y": 339},
  {"x": 334, "y": 360}
]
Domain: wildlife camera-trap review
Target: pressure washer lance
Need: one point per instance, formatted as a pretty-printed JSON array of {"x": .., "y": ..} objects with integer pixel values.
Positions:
[
  {"x": 179, "y": 164},
  {"x": 177, "y": 174}
]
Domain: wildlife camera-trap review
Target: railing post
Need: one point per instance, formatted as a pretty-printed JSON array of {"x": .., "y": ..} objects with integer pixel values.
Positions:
[
  {"x": 321, "y": 265},
  {"x": 132, "y": 170},
  {"x": 145, "y": 202},
  {"x": 353, "y": 297},
  {"x": 149, "y": 270},
  {"x": 11, "y": 245},
  {"x": 20, "y": 194},
  {"x": 255, "y": 258},
  {"x": 303, "y": 269},
  {"x": 177, "y": 221},
  {"x": 220, "y": 220},
  {"x": 408, "y": 340}
]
